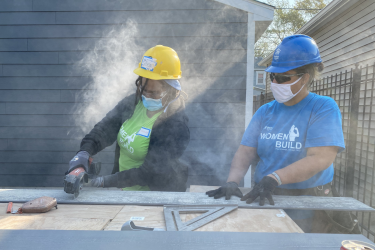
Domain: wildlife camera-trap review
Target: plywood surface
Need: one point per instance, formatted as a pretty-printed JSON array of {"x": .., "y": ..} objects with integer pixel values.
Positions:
[
  {"x": 72, "y": 211},
  {"x": 66, "y": 217},
  {"x": 51, "y": 223},
  {"x": 112, "y": 217},
  {"x": 247, "y": 220},
  {"x": 153, "y": 217}
]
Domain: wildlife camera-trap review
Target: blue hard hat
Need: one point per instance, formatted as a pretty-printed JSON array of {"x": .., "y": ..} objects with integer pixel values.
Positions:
[{"x": 293, "y": 52}]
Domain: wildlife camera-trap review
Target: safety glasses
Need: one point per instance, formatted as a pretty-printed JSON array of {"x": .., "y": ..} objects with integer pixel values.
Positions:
[{"x": 283, "y": 78}]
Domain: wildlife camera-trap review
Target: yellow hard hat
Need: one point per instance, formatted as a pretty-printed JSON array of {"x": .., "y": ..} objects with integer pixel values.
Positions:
[{"x": 158, "y": 63}]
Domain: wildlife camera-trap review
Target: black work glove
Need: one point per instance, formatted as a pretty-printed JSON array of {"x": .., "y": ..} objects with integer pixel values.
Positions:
[
  {"x": 227, "y": 190},
  {"x": 97, "y": 182},
  {"x": 80, "y": 160},
  {"x": 264, "y": 189}
]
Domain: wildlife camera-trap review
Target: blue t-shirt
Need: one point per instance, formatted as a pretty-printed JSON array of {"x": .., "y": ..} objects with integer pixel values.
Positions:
[{"x": 283, "y": 133}]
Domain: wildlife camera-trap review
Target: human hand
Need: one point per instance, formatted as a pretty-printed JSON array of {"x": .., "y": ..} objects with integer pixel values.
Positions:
[
  {"x": 96, "y": 182},
  {"x": 81, "y": 159},
  {"x": 227, "y": 190},
  {"x": 264, "y": 189}
]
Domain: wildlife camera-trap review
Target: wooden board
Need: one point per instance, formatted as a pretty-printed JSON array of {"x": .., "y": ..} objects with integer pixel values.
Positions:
[
  {"x": 147, "y": 198},
  {"x": 247, "y": 220},
  {"x": 51, "y": 223},
  {"x": 153, "y": 217},
  {"x": 92, "y": 240},
  {"x": 66, "y": 217},
  {"x": 71, "y": 211}
]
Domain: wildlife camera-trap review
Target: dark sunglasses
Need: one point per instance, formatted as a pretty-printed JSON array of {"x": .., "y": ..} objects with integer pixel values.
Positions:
[{"x": 283, "y": 78}]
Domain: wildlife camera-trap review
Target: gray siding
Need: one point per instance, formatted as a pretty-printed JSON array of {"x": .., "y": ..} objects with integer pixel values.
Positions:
[
  {"x": 41, "y": 44},
  {"x": 343, "y": 42},
  {"x": 348, "y": 39}
]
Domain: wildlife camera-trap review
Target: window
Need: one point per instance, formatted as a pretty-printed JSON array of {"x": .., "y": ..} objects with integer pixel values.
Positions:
[{"x": 260, "y": 77}]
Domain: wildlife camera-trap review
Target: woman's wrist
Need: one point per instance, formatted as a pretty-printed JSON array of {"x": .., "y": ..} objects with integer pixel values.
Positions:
[{"x": 276, "y": 177}]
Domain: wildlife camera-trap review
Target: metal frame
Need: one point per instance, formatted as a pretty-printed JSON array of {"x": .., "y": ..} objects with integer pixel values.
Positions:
[{"x": 173, "y": 220}]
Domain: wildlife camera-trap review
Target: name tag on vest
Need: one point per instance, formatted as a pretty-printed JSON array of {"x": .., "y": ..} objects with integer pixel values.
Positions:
[{"x": 145, "y": 132}]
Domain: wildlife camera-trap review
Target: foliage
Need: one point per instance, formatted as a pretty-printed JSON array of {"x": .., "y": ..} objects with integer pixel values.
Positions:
[{"x": 286, "y": 22}]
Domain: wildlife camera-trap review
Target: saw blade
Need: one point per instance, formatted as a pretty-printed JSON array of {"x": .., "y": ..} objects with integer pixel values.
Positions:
[{"x": 78, "y": 184}]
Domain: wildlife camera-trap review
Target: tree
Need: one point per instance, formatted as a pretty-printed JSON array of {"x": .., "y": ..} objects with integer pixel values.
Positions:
[{"x": 288, "y": 19}]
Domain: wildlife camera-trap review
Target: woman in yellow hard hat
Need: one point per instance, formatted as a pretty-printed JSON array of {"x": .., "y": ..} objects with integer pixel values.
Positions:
[{"x": 151, "y": 133}]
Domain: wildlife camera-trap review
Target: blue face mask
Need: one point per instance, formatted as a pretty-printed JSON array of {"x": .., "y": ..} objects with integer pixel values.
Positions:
[{"x": 152, "y": 104}]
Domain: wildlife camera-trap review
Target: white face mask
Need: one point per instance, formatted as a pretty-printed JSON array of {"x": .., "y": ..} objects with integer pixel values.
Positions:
[{"x": 283, "y": 92}]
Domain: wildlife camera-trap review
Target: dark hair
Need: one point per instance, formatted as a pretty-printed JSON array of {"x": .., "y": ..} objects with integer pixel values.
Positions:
[{"x": 312, "y": 69}]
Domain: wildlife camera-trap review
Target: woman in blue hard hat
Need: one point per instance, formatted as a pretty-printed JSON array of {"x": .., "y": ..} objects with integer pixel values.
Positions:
[{"x": 296, "y": 137}]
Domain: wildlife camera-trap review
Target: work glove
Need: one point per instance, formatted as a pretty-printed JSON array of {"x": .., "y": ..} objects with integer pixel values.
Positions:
[
  {"x": 227, "y": 190},
  {"x": 97, "y": 182},
  {"x": 264, "y": 189},
  {"x": 80, "y": 160}
]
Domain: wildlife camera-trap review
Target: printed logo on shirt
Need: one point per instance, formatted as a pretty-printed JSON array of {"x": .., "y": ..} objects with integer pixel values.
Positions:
[
  {"x": 126, "y": 139},
  {"x": 268, "y": 128},
  {"x": 284, "y": 141}
]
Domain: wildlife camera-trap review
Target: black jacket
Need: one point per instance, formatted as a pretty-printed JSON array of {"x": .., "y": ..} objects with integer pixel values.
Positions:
[{"x": 161, "y": 170}]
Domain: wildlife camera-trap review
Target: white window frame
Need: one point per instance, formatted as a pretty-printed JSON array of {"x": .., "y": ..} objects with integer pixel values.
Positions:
[{"x": 264, "y": 77}]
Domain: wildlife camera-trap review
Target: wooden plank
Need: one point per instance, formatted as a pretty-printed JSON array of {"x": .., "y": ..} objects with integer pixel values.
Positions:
[
  {"x": 221, "y": 171},
  {"x": 146, "y": 198},
  {"x": 206, "y": 179},
  {"x": 42, "y": 132},
  {"x": 43, "y": 240},
  {"x": 51, "y": 223},
  {"x": 35, "y": 180},
  {"x": 153, "y": 217},
  {"x": 213, "y": 145},
  {"x": 214, "y": 133},
  {"x": 13, "y": 44},
  {"x": 360, "y": 47},
  {"x": 16, "y": 5},
  {"x": 209, "y": 55},
  {"x": 39, "y": 108},
  {"x": 103, "y": 156},
  {"x": 28, "y": 58},
  {"x": 14, "y": 156},
  {"x": 54, "y": 169},
  {"x": 70, "y": 211},
  {"x": 67, "y": 108},
  {"x": 15, "y": 18},
  {"x": 353, "y": 15},
  {"x": 92, "y": 5},
  {"x": 144, "y": 30},
  {"x": 3, "y": 144},
  {"x": 343, "y": 40},
  {"x": 49, "y": 156},
  {"x": 71, "y": 145},
  {"x": 213, "y": 159},
  {"x": 215, "y": 108},
  {"x": 29, "y": 95},
  {"x": 47, "y": 83},
  {"x": 233, "y": 69},
  {"x": 208, "y": 96},
  {"x": 362, "y": 56},
  {"x": 38, "y": 120},
  {"x": 228, "y": 15},
  {"x": 210, "y": 121}
]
